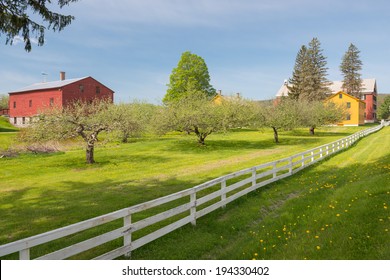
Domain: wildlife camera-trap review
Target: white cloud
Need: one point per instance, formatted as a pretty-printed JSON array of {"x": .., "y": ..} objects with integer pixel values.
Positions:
[{"x": 19, "y": 39}]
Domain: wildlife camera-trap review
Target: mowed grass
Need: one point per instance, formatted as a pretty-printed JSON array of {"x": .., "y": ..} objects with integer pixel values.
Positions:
[
  {"x": 337, "y": 209},
  {"x": 44, "y": 192}
]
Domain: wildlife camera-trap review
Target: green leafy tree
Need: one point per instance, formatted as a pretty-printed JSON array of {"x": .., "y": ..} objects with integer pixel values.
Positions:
[
  {"x": 384, "y": 109},
  {"x": 350, "y": 67},
  {"x": 191, "y": 73},
  {"x": 318, "y": 113},
  {"x": 4, "y": 100},
  {"x": 83, "y": 119},
  {"x": 284, "y": 115},
  {"x": 196, "y": 113},
  {"x": 20, "y": 18},
  {"x": 132, "y": 119}
]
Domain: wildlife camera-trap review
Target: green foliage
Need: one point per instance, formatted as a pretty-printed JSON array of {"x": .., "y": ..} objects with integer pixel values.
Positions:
[
  {"x": 4, "y": 100},
  {"x": 16, "y": 18},
  {"x": 285, "y": 115},
  {"x": 132, "y": 119},
  {"x": 84, "y": 119},
  {"x": 350, "y": 67},
  {"x": 296, "y": 83},
  {"x": 384, "y": 109},
  {"x": 319, "y": 113},
  {"x": 191, "y": 74},
  {"x": 196, "y": 113},
  {"x": 309, "y": 80}
]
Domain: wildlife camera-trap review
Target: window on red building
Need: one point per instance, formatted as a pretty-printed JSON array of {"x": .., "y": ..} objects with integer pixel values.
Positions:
[
  {"x": 14, "y": 104},
  {"x": 30, "y": 103},
  {"x": 51, "y": 102}
]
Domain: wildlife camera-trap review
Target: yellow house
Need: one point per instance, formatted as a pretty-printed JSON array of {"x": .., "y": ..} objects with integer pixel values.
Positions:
[
  {"x": 218, "y": 98},
  {"x": 355, "y": 108}
]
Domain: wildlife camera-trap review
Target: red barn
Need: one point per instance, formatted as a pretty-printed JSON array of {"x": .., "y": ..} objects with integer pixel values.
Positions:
[{"x": 28, "y": 102}]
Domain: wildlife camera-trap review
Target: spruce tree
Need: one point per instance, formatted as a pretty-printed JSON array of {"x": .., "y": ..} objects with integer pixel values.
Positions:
[
  {"x": 309, "y": 80},
  {"x": 350, "y": 67},
  {"x": 315, "y": 82},
  {"x": 296, "y": 82}
]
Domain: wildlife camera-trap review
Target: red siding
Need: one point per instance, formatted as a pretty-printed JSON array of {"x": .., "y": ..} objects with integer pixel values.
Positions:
[
  {"x": 86, "y": 90},
  {"x": 370, "y": 100},
  {"x": 28, "y": 104}
]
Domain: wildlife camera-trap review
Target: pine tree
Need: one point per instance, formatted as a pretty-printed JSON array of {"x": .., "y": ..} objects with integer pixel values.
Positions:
[
  {"x": 350, "y": 67},
  {"x": 309, "y": 80},
  {"x": 315, "y": 83},
  {"x": 295, "y": 83}
]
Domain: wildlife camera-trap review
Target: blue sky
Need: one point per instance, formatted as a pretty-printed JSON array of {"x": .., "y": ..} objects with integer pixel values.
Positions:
[{"x": 249, "y": 46}]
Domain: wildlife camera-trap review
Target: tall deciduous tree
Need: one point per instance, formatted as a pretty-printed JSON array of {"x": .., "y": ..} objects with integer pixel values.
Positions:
[
  {"x": 350, "y": 67},
  {"x": 190, "y": 73},
  {"x": 18, "y": 18}
]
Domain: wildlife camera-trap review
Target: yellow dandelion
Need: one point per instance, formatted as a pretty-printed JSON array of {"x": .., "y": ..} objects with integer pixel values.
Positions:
[
  {"x": 318, "y": 247},
  {"x": 261, "y": 240},
  {"x": 337, "y": 215},
  {"x": 256, "y": 254},
  {"x": 350, "y": 238},
  {"x": 308, "y": 231},
  {"x": 316, "y": 236}
]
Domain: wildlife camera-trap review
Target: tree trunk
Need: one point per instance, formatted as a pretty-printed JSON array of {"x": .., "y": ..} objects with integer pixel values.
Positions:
[
  {"x": 311, "y": 129},
  {"x": 201, "y": 139},
  {"x": 276, "y": 136},
  {"x": 90, "y": 153}
]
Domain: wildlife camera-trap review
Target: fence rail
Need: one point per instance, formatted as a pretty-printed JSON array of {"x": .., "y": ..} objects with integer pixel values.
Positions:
[{"x": 177, "y": 209}]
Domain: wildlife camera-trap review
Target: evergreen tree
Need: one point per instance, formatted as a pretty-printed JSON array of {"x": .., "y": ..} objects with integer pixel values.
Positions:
[
  {"x": 190, "y": 73},
  {"x": 315, "y": 83},
  {"x": 384, "y": 109},
  {"x": 309, "y": 80},
  {"x": 350, "y": 67},
  {"x": 26, "y": 18},
  {"x": 296, "y": 82}
]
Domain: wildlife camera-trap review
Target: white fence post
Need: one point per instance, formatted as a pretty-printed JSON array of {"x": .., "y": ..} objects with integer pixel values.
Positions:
[
  {"x": 274, "y": 170},
  {"x": 24, "y": 254},
  {"x": 254, "y": 172},
  {"x": 223, "y": 193},
  {"x": 193, "y": 208},
  {"x": 127, "y": 236}
]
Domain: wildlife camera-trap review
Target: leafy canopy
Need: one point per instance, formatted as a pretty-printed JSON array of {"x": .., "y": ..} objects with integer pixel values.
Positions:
[{"x": 191, "y": 74}]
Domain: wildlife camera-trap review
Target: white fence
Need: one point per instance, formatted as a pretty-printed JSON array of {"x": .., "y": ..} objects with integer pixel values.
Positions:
[{"x": 130, "y": 228}]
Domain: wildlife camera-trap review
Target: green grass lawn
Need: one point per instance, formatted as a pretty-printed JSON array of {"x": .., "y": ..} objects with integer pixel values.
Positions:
[
  {"x": 44, "y": 192},
  {"x": 337, "y": 209}
]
